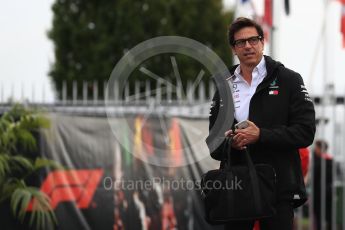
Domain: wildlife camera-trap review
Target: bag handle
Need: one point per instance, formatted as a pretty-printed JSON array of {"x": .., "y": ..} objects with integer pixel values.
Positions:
[
  {"x": 227, "y": 150},
  {"x": 251, "y": 168}
]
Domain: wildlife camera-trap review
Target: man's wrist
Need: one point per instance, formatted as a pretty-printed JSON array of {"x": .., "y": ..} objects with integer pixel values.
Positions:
[{"x": 258, "y": 136}]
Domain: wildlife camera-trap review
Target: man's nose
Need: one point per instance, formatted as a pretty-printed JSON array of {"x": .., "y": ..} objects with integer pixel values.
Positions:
[{"x": 247, "y": 45}]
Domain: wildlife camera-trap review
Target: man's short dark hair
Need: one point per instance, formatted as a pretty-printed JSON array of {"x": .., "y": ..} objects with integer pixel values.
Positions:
[{"x": 241, "y": 23}]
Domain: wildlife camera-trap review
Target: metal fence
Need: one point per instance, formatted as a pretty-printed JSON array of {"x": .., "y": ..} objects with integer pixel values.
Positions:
[{"x": 190, "y": 101}]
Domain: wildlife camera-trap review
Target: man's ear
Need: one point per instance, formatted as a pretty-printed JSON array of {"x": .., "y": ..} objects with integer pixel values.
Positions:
[{"x": 263, "y": 45}]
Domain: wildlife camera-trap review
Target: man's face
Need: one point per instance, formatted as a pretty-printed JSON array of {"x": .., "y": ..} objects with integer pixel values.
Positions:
[
  {"x": 249, "y": 54},
  {"x": 317, "y": 150}
]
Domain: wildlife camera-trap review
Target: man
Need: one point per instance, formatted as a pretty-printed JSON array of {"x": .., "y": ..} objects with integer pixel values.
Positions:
[
  {"x": 281, "y": 117},
  {"x": 304, "y": 155},
  {"x": 320, "y": 154}
]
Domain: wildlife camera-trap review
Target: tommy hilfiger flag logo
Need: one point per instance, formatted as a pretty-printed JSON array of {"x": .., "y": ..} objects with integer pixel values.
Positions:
[{"x": 273, "y": 92}]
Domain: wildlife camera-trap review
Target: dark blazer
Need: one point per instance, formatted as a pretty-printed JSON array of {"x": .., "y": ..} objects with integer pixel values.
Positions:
[{"x": 285, "y": 114}]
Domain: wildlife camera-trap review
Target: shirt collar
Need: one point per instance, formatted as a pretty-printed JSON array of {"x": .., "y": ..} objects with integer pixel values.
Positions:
[{"x": 260, "y": 68}]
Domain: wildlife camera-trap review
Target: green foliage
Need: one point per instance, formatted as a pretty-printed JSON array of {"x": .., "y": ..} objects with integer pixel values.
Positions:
[
  {"x": 90, "y": 37},
  {"x": 16, "y": 140},
  {"x": 43, "y": 214}
]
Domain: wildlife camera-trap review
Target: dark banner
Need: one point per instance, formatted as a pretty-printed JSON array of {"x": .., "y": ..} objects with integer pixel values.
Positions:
[{"x": 132, "y": 172}]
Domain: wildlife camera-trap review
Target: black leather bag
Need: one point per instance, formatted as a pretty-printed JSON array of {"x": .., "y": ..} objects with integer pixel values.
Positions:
[{"x": 239, "y": 192}]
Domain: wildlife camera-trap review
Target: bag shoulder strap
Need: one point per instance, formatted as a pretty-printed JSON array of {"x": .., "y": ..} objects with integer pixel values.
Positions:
[
  {"x": 251, "y": 169},
  {"x": 254, "y": 180}
]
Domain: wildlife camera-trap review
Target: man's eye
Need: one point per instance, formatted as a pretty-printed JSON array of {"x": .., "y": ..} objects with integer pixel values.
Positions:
[{"x": 241, "y": 41}]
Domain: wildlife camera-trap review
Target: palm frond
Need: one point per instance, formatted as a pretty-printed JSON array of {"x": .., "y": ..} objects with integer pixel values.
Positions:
[
  {"x": 41, "y": 210},
  {"x": 4, "y": 166},
  {"x": 17, "y": 128},
  {"x": 16, "y": 112},
  {"x": 9, "y": 186},
  {"x": 8, "y": 139},
  {"x": 19, "y": 202},
  {"x": 20, "y": 163},
  {"x": 44, "y": 162},
  {"x": 25, "y": 139},
  {"x": 33, "y": 121},
  {"x": 4, "y": 124}
]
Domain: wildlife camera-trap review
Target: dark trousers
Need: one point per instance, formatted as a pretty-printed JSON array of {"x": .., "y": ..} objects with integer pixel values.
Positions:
[{"x": 283, "y": 220}]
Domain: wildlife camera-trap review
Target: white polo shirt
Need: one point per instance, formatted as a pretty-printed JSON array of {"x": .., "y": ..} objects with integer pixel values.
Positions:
[{"x": 243, "y": 92}]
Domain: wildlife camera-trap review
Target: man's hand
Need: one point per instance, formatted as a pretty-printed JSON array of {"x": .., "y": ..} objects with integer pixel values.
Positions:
[{"x": 243, "y": 137}]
